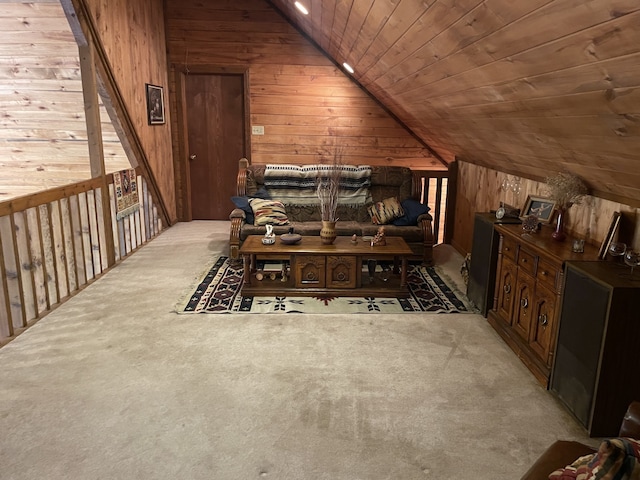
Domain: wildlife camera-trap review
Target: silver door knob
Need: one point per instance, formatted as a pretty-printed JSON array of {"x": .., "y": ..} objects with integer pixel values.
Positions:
[{"x": 192, "y": 156}]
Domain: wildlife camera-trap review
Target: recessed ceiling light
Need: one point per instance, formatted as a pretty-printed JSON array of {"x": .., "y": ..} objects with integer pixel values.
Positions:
[
  {"x": 347, "y": 67},
  {"x": 300, "y": 7}
]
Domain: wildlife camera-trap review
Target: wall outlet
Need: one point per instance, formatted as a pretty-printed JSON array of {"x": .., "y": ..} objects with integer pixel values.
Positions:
[{"x": 257, "y": 130}]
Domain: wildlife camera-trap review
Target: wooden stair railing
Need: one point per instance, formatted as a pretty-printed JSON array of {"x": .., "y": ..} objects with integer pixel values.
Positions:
[
  {"x": 433, "y": 187},
  {"x": 54, "y": 243}
]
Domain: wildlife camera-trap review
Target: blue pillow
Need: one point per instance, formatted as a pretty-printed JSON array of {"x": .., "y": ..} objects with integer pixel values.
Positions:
[
  {"x": 262, "y": 193},
  {"x": 243, "y": 203},
  {"x": 412, "y": 210}
]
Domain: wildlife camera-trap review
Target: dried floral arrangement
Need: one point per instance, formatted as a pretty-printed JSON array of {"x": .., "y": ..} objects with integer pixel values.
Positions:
[
  {"x": 328, "y": 188},
  {"x": 566, "y": 189}
]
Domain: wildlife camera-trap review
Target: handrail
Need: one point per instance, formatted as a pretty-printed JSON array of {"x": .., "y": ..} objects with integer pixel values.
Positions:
[{"x": 54, "y": 243}]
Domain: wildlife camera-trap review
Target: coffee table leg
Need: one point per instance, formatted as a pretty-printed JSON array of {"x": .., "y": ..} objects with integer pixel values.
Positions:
[
  {"x": 403, "y": 273},
  {"x": 396, "y": 266},
  {"x": 247, "y": 269}
]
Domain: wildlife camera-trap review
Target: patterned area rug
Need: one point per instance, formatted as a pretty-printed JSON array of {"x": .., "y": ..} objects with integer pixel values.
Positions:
[{"x": 219, "y": 292}]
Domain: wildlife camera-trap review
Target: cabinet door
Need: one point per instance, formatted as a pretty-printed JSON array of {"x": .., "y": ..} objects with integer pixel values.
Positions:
[
  {"x": 341, "y": 272},
  {"x": 523, "y": 304},
  {"x": 506, "y": 289},
  {"x": 309, "y": 271},
  {"x": 543, "y": 323}
]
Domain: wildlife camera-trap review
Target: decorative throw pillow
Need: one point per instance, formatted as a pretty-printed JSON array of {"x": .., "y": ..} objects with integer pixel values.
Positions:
[
  {"x": 243, "y": 203},
  {"x": 616, "y": 458},
  {"x": 383, "y": 212},
  {"x": 268, "y": 212},
  {"x": 412, "y": 210}
]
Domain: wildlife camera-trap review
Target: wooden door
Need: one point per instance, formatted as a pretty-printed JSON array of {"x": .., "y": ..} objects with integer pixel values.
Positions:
[{"x": 215, "y": 115}]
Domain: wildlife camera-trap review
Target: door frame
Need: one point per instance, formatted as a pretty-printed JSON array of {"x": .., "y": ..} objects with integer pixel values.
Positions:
[{"x": 182, "y": 163}]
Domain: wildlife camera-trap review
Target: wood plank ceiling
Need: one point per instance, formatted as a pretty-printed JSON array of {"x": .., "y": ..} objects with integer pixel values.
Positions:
[{"x": 527, "y": 87}]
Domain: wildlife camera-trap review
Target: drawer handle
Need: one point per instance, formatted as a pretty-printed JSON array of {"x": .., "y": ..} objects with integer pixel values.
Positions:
[
  {"x": 524, "y": 260},
  {"x": 543, "y": 319},
  {"x": 507, "y": 288},
  {"x": 506, "y": 249},
  {"x": 341, "y": 277},
  {"x": 544, "y": 273},
  {"x": 524, "y": 303}
]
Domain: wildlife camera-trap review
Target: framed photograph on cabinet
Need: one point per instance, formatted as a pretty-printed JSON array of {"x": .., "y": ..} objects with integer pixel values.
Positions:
[
  {"x": 155, "y": 104},
  {"x": 541, "y": 207},
  {"x": 613, "y": 227}
]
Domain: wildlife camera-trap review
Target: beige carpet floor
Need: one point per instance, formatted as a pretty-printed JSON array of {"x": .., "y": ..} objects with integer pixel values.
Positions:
[{"x": 115, "y": 385}]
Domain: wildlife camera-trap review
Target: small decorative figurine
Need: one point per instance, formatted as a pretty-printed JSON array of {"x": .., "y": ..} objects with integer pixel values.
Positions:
[
  {"x": 269, "y": 237},
  {"x": 354, "y": 238},
  {"x": 531, "y": 224},
  {"x": 379, "y": 238}
]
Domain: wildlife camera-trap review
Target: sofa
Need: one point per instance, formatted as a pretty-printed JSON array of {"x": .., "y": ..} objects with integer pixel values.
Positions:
[
  {"x": 386, "y": 183},
  {"x": 563, "y": 452}
]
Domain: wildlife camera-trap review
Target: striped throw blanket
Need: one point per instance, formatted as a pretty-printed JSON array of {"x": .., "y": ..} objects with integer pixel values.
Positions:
[{"x": 296, "y": 185}]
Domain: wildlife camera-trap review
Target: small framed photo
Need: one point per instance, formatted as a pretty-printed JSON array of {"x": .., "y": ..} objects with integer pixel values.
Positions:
[
  {"x": 155, "y": 104},
  {"x": 613, "y": 227},
  {"x": 541, "y": 207}
]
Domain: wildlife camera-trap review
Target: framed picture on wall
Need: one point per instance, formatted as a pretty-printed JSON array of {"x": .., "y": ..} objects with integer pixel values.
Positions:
[
  {"x": 606, "y": 243},
  {"x": 155, "y": 104},
  {"x": 541, "y": 207}
]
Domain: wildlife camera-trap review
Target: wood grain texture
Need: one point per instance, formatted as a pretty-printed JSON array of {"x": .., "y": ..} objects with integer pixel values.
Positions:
[
  {"x": 479, "y": 190},
  {"x": 43, "y": 134},
  {"x": 306, "y": 104},
  {"x": 497, "y": 84}
]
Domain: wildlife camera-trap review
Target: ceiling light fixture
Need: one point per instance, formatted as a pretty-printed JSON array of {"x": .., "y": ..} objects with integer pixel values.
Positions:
[
  {"x": 301, "y": 7},
  {"x": 347, "y": 67}
]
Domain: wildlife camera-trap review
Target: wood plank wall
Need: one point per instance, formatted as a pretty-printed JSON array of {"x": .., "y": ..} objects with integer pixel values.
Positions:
[
  {"x": 133, "y": 37},
  {"x": 43, "y": 135},
  {"x": 305, "y": 103},
  {"x": 479, "y": 190}
]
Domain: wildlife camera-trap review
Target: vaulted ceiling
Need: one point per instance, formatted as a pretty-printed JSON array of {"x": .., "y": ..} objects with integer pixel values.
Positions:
[{"x": 527, "y": 87}]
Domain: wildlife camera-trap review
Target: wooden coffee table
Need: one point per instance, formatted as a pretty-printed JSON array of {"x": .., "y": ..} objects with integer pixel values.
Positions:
[{"x": 335, "y": 270}]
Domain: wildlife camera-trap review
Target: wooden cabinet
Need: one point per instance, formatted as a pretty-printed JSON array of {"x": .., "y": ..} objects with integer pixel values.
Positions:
[
  {"x": 597, "y": 365},
  {"x": 528, "y": 293},
  {"x": 332, "y": 271}
]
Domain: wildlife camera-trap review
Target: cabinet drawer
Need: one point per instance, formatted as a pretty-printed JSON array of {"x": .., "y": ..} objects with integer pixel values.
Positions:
[
  {"x": 509, "y": 248},
  {"x": 547, "y": 273},
  {"x": 527, "y": 262}
]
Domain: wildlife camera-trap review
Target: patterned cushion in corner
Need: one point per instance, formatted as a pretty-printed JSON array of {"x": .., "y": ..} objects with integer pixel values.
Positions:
[
  {"x": 383, "y": 212},
  {"x": 268, "y": 212},
  {"x": 617, "y": 458}
]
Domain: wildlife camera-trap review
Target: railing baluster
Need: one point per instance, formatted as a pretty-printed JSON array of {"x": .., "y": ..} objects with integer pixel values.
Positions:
[
  {"x": 6, "y": 326},
  {"x": 53, "y": 243},
  {"x": 13, "y": 266}
]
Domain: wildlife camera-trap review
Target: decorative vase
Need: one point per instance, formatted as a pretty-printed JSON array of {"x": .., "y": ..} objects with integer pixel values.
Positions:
[
  {"x": 328, "y": 232},
  {"x": 559, "y": 235}
]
